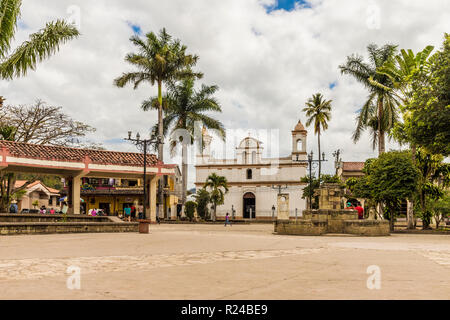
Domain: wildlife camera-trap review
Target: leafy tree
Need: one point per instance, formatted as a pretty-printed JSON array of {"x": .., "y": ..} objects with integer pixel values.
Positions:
[
  {"x": 434, "y": 177},
  {"x": 309, "y": 190},
  {"x": 390, "y": 179},
  {"x": 39, "y": 47},
  {"x": 203, "y": 199},
  {"x": 401, "y": 70},
  {"x": 185, "y": 108},
  {"x": 35, "y": 203},
  {"x": 189, "y": 209},
  {"x": 441, "y": 208},
  {"x": 160, "y": 59},
  {"x": 381, "y": 105},
  {"x": 218, "y": 187},
  {"x": 318, "y": 111},
  {"x": 427, "y": 118}
]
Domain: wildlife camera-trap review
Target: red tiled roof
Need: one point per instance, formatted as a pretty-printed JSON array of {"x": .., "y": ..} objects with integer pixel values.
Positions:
[
  {"x": 20, "y": 183},
  {"x": 56, "y": 153},
  {"x": 353, "y": 166}
]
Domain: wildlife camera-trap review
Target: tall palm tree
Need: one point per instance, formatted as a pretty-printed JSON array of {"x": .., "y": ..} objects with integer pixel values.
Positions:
[
  {"x": 381, "y": 103},
  {"x": 160, "y": 59},
  {"x": 318, "y": 110},
  {"x": 219, "y": 187},
  {"x": 185, "y": 108},
  {"x": 400, "y": 70},
  {"x": 40, "y": 45}
]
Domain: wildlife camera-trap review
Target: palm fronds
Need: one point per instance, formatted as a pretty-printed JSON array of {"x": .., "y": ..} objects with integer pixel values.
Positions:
[
  {"x": 9, "y": 13},
  {"x": 40, "y": 46}
]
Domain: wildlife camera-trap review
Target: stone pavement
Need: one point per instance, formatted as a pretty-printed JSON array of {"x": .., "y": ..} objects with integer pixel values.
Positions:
[{"x": 213, "y": 262}]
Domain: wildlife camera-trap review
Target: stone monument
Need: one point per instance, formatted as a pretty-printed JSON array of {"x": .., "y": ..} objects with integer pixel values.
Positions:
[
  {"x": 329, "y": 218},
  {"x": 283, "y": 207}
]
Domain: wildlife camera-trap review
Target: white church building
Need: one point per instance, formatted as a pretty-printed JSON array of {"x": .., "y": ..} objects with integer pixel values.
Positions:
[{"x": 255, "y": 182}]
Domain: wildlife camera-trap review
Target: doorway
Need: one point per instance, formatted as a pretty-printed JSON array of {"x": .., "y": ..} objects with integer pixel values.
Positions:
[
  {"x": 249, "y": 206},
  {"x": 106, "y": 207}
]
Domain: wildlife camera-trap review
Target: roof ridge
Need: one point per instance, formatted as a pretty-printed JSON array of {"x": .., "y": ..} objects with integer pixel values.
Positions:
[{"x": 71, "y": 148}]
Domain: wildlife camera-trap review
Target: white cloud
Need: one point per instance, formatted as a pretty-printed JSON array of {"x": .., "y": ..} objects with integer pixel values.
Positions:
[{"x": 266, "y": 65}]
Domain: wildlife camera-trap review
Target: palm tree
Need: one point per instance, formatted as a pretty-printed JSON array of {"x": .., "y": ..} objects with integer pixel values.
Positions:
[
  {"x": 219, "y": 187},
  {"x": 382, "y": 102},
  {"x": 318, "y": 111},
  {"x": 400, "y": 71},
  {"x": 159, "y": 59},
  {"x": 40, "y": 45},
  {"x": 401, "y": 68},
  {"x": 184, "y": 109}
]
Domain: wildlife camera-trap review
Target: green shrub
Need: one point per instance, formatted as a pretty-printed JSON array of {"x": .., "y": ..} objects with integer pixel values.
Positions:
[{"x": 189, "y": 209}]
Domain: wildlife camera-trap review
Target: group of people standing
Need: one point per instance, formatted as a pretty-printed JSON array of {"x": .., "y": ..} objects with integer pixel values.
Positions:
[
  {"x": 131, "y": 212},
  {"x": 357, "y": 208}
]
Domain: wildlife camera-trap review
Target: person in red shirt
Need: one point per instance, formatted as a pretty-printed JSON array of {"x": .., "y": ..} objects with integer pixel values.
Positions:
[{"x": 360, "y": 211}]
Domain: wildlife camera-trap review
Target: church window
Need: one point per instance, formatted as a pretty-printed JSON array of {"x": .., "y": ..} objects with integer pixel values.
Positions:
[
  {"x": 299, "y": 145},
  {"x": 249, "y": 174}
]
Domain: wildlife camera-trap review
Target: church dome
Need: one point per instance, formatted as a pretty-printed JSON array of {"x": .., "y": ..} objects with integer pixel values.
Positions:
[{"x": 250, "y": 143}]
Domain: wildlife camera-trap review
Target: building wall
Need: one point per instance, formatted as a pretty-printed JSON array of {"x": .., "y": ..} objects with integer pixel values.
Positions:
[
  {"x": 265, "y": 198},
  {"x": 116, "y": 202},
  {"x": 266, "y": 173},
  {"x": 26, "y": 202}
]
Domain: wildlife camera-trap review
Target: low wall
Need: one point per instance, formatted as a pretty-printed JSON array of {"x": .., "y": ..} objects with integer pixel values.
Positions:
[
  {"x": 335, "y": 218},
  {"x": 318, "y": 222},
  {"x": 301, "y": 227},
  {"x": 49, "y": 218},
  {"x": 367, "y": 227},
  {"x": 17, "y": 228}
]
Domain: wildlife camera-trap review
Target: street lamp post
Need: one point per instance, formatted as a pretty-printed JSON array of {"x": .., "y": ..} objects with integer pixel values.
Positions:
[
  {"x": 143, "y": 144},
  {"x": 311, "y": 163}
]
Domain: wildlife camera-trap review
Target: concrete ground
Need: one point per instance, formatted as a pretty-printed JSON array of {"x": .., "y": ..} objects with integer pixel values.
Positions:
[{"x": 213, "y": 262}]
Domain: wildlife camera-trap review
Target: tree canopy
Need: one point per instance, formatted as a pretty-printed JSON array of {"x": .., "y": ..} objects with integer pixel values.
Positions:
[{"x": 427, "y": 118}]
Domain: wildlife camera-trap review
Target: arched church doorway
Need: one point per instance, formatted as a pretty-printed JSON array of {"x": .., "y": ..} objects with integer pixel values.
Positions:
[{"x": 249, "y": 206}]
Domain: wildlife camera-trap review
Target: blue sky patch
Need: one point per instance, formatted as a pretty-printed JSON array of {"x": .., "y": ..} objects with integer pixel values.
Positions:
[
  {"x": 332, "y": 85},
  {"x": 287, "y": 5},
  {"x": 115, "y": 141},
  {"x": 22, "y": 25},
  {"x": 135, "y": 27}
]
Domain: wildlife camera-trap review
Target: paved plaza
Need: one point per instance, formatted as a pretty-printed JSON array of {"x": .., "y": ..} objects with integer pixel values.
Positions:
[{"x": 213, "y": 262}]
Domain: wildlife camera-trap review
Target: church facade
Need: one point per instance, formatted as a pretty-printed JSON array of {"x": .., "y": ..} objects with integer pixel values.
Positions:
[{"x": 255, "y": 183}]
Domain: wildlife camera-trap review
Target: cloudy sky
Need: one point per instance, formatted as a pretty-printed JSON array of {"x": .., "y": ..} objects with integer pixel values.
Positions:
[{"x": 268, "y": 57}]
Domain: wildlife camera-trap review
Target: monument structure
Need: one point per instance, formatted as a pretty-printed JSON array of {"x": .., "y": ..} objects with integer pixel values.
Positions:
[{"x": 330, "y": 218}]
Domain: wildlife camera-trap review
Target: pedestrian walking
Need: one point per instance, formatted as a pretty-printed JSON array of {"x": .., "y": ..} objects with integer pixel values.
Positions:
[{"x": 227, "y": 220}]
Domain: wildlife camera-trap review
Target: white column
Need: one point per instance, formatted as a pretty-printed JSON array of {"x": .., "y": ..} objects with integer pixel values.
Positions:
[{"x": 152, "y": 196}]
